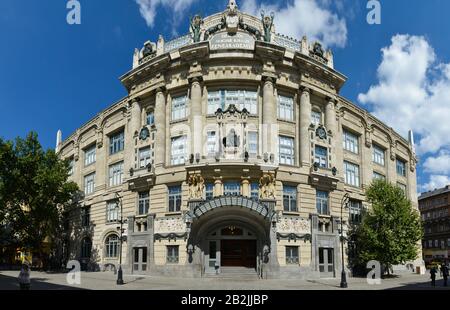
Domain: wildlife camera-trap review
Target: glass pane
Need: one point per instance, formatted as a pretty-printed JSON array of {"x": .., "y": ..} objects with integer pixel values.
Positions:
[
  {"x": 144, "y": 255},
  {"x": 321, "y": 258},
  {"x": 212, "y": 250}
]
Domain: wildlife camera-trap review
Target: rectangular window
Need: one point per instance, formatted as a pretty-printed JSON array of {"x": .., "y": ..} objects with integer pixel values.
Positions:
[
  {"x": 151, "y": 119},
  {"x": 448, "y": 242},
  {"x": 290, "y": 198},
  {"x": 179, "y": 150},
  {"x": 253, "y": 143},
  {"x": 211, "y": 143},
  {"x": 286, "y": 108},
  {"x": 286, "y": 150},
  {"x": 172, "y": 254},
  {"x": 144, "y": 203},
  {"x": 322, "y": 202},
  {"x": 321, "y": 156},
  {"x": 430, "y": 243},
  {"x": 402, "y": 187},
  {"x": 145, "y": 157},
  {"x": 179, "y": 108},
  {"x": 214, "y": 102},
  {"x": 175, "y": 198},
  {"x": 351, "y": 142},
  {"x": 71, "y": 166},
  {"x": 355, "y": 210},
  {"x": 116, "y": 143},
  {"x": 242, "y": 99},
  {"x": 89, "y": 156},
  {"x": 209, "y": 191},
  {"x": 316, "y": 118},
  {"x": 378, "y": 155},
  {"x": 254, "y": 190},
  {"x": 112, "y": 212},
  {"x": 292, "y": 255},
  {"x": 86, "y": 217},
  {"x": 378, "y": 176},
  {"x": 116, "y": 174},
  {"x": 232, "y": 188},
  {"x": 351, "y": 174},
  {"x": 89, "y": 184},
  {"x": 401, "y": 168}
]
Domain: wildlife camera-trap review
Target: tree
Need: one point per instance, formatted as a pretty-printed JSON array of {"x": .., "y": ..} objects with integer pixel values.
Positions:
[
  {"x": 34, "y": 193},
  {"x": 390, "y": 232}
]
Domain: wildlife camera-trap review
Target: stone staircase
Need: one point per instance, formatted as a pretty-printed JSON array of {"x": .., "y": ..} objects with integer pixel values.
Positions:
[{"x": 240, "y": 273}]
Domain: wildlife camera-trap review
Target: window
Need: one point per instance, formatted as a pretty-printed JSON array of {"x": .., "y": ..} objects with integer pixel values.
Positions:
[
  {"x": 71, "y": 166},
  {"x": 116, "y": 174},
  {"x": 211, "y": 143},
  {"x": 214, "y": 102},
  {"x": 172, "y": 254},
  {"x": 175, "y": 198},
  {"x": 292, "y": 255},
  {"x": 86, "y": 217},
  {"x": 112, "y": 212},
  {"x": 89, "y": 184},
  {"x": 179, "y": 108},
  {"x": 86, "y": 248},
  {"x": 112, "y": 246},
  {"x": 254, "y": 190},
  {"x": 285, "y": 108},
  {"x": 322, "y": 202},
  {"x": 355, "y": 210},
  {"x": 242, "y": 99},
  {"x": 290, "y": 198},
  {"x": 401, "y": 168},
  {"x": 430, "y": 243},
  {"x": 448, "y": 242},
  {"x": 378, "y": 176},
  {"x": 179, "y": 151},
  {"x": 151, "y": 119},
  {"x": 351, "y": 142},
  {"x": 116, "y": 143},
  {"x": 89, "y": 156},
  {"x": 436, "y": 243},
  {"x": 316, "y": 118},
  {"x": 378, "y": 155},
  {"x": 286, "y": 150},
  {"x": 253, "y": 143},
  {"x": 351, "y": 174},
  {"x": 232, "y": 188},
  {"x": 402, "y": 187},
  {"x": 209, "y": 191},
  {"x": 145, "y": 157},
  {"x": 144, "y": 203},
  {"x": 321, "y": 156}
]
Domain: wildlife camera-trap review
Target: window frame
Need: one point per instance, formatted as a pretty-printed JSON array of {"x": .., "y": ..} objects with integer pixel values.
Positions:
[
  {"x": 115, "y": 174},
  {"x": 379, "y": 155},
  {"x": 350, "y": 141},
  {"x": 143, "y": 203},
  {"x": 112, "y": 246},
  {"x": 290, "y": 197},
  {"x": 349, "y": 175},
  {"x": 401, "y": 169},
  {"x": 90, "y": 155},
  {"x": 112, "y": 211},
  {"x": 179, "y": 108},
  {"x": 285, "y": 158},
  {"x": 175, "y": 198},
  {"x": 179, "y": 144},
  {"x": 173, "y": 254},
  {"x": 285, "y": 108},
  {"x": 318, "y": 158},
  {"x": 145, "y": 156},
  {"x": 322, "y": 202},
  {"x": 292, "y": 259},
  {"x": 116, "y": 143},
  {"x": 89, "y": 184}
]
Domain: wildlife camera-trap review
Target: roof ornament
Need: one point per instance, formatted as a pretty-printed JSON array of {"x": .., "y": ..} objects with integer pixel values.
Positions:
[
  {"x": 196, "y": 23},
  {"x": 267, "y": 22},
  {"x": 232, "y": 18},
  {"x": 232, "y": 6}
]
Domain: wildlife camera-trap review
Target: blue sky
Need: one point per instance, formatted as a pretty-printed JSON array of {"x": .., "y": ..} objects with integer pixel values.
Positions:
[{"x": 58, "y": 76}]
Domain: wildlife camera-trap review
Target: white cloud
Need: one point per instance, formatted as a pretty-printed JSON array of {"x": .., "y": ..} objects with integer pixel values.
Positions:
[
  {"x": 148, "y": 9},
  {"x": 413, "y": 92},
  {"x": 436, "y": 181},
  {"x": 312, "y": 18}
]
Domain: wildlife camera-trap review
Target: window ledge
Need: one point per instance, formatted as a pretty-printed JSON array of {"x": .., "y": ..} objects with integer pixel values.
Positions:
[
  {"x": 291, "y": 213},
  {"x": 173, "y": 213}
]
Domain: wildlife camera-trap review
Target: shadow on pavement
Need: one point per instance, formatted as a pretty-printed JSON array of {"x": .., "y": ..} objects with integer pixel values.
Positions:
[
  {"x": 423, "y": 286},
  {"x": 11, "y": 284}
]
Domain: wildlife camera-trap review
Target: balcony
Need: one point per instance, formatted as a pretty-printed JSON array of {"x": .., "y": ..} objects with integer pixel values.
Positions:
[
  {"x": 141, "y": 178},
  {"x": 324, "y": 177}
]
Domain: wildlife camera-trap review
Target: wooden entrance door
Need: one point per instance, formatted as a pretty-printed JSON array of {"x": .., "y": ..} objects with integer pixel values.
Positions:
[{"x": 238, "y": 253}]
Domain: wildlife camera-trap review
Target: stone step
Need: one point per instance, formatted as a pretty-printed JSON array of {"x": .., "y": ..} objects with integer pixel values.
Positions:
[{"x": 240, "y": 273}]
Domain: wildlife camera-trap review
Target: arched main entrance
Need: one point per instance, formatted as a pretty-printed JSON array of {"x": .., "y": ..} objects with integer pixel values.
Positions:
[{"x": 231, "y": 232}]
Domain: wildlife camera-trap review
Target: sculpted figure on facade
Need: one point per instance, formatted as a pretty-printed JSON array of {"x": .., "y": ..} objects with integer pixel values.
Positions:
[
  {"x": 196, "y": 186},
  {"x": 267, "y": 186},
  {"x": 196, "y": 23},
  {"x": 267, "y": 22}
]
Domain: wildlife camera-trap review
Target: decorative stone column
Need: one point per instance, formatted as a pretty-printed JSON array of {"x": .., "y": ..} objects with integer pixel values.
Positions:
[
  {"x": 135, "y": 116},
  {"x": 218, "y": 187},
  {"x": 160, "y": 123},
  {"x": 269, "y": 115},
  {"x": 305, "y": 122},
  {"x": 330, "y": 116},
  {"x": 245, "y": 188},
  {"x": 196, "y": 116}
]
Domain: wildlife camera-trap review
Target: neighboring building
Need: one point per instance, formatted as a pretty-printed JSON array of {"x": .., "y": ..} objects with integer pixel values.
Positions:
[
  {"x": 258, "y": 184},
  {"x": 434, "y": 207}
]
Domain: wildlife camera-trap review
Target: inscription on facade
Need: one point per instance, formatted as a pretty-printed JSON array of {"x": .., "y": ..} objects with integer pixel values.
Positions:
[{"x": 240, "y": 41}]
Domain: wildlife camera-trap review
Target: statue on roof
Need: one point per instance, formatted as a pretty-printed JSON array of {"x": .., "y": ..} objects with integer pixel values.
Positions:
[
  {"x": 196, "y": 23},
  {"x": 232, "y": 6},
  {"x": 148, "y": 49},
  {"x": 267, "y": 22},
  {"x": 318, "y": 50}
]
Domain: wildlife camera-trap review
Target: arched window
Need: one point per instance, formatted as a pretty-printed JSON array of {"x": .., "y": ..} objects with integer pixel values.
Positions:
[
  {"x": 112, "y": 246},
  {"x": 86, "y": 248}
]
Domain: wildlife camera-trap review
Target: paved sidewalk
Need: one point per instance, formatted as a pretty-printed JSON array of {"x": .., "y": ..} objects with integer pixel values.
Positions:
[{"x": 107, "y": 281}]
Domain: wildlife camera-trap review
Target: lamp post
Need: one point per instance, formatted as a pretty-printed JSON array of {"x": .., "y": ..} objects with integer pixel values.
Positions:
[
  {"x": 120, "y": 273},
  {"x": 344, "y": 203}
]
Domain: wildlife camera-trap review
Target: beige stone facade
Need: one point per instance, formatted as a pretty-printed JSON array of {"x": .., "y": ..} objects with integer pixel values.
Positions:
[{"x": 250, "y": 195}]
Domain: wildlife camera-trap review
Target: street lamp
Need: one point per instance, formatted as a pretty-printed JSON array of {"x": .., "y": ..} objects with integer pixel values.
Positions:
[
  {"x": 344, "y": 203},
  {"x": 120, "y": 273}
]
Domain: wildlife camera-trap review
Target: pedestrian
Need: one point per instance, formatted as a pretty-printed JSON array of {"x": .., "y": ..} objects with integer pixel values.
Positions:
[
  {"x": 24, "y": 277},
  {"x": 444, "y": 270},
  {"x": 433, "y": 272}
]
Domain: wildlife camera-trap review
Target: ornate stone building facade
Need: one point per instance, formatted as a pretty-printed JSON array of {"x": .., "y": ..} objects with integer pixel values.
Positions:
[{"x": 233, "y": 148}]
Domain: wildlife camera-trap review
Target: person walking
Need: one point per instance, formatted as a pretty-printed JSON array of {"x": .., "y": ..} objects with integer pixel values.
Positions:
[
  {"x": 24, "y": 277},
  {"x": 433, "y": 272},
  {"x": 444, "y": 270}
]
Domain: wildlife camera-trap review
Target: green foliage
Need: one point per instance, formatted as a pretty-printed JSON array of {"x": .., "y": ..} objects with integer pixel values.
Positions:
[
  {"x": 390, "y": 232},
  {"x": 34, "y": 192}
]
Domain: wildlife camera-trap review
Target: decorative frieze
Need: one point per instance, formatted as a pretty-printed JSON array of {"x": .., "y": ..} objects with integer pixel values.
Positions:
[
  {"x": 169, "y": 225},
  {"x": 296, "y": 225}
]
